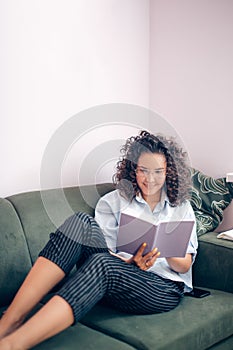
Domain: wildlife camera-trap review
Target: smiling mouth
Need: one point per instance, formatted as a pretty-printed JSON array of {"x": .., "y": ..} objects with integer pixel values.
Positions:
[{"x": 150, "y": 186}]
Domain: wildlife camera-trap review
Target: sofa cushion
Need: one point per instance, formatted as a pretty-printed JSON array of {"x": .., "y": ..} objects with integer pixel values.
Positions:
[
  {"x": 226, "y": 344},
  {"x": 214, "y": 263},
  {"x": 200, "y": 323},
  {"x": 15, "y": 260},
  {"x": 80, "y": 337},
  {"x": 209, "y": 199}
]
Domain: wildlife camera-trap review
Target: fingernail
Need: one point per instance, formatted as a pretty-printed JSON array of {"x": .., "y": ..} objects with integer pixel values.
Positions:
[
  {"x": 144, "y": 244},
  {"x": 155, "y": 250}
]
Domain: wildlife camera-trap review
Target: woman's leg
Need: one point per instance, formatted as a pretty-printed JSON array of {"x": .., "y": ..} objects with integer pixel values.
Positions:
[
  {"x": 72, "y": 243},
  {"x": 122, "y": 285},
  {"x": 125, "y": 286},
  {"x": 43, "y": 276},
  {"x": 54, "y": 317}
]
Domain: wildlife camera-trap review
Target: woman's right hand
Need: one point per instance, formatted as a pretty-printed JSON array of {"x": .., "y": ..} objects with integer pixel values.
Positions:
[{"x": 144, "y": 262}]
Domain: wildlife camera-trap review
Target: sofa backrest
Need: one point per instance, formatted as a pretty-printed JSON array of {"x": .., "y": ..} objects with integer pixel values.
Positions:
[
  {"x": 27, "y": 219},
  {"x": 14, "y": 254}
]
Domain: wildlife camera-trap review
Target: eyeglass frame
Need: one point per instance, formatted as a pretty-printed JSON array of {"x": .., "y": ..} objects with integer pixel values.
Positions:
[{"x": 145, "y": 172}]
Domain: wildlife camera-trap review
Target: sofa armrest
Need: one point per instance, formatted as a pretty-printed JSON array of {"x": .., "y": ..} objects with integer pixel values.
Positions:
[{"x": 213, "y": 267}]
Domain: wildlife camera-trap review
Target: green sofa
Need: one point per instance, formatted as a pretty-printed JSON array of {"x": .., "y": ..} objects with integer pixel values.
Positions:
[{"x": 207, "y": 323}]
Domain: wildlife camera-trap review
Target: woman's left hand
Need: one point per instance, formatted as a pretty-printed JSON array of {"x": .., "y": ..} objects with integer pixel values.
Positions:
[{"x": 144, "y": 262}]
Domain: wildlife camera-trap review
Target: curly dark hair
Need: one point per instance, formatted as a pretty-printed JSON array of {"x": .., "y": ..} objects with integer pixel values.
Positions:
[{"x": 178, "y": 176}]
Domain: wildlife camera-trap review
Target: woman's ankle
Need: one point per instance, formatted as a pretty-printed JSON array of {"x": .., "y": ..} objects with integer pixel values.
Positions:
[
  {"x": 6, "y": 344},
  {"x": 8, "y": 325}
]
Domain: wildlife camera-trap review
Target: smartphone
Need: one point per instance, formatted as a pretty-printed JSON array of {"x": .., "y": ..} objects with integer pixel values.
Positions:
[{"x": 198, "y": 293}]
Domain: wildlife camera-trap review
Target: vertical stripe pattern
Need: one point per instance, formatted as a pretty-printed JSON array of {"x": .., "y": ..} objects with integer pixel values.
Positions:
[{"x": 102, "y": 276}]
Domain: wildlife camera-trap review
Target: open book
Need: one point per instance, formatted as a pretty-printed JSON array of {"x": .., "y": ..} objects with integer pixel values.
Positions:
[{"x": 171, "y": 237}]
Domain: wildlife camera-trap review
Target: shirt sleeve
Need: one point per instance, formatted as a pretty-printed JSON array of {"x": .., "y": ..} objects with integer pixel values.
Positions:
[
  {"x": 193, "y": 242},
  {"x": 107, "y": 213}
]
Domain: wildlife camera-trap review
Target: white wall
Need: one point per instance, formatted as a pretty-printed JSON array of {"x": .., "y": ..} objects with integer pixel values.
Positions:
[
  {"x": 59, "y": 58},
  {"x": 191, "y": 78}
]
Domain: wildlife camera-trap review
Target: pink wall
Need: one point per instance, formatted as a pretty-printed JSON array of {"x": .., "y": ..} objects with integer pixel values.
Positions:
[
  {"x": 59, "y": 58},
  {"x": 172, "y": 55},
  {"x": 191, "y": 80}
]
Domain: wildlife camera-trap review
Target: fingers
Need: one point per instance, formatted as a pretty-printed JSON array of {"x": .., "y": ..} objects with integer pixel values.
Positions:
[
  {"x": 140, "y": 250},
  {"x": 144, "y": 262},
  {"x": 153, "y": 259},
  {"x": 151, "y": 254}
]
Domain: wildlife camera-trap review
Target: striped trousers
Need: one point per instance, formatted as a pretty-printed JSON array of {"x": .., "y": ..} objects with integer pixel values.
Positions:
[{"x": 101, "y": 276}]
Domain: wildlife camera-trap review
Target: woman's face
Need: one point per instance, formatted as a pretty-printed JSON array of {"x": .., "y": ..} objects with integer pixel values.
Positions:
[{"x": 151, "y": 175}]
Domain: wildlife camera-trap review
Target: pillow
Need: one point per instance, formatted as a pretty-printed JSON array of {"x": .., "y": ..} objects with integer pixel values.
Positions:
[{"x": 209, "y": 198}]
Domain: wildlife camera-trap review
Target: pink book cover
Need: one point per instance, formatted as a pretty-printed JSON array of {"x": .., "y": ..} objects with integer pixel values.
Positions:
[{"x": 171, "y": 237}]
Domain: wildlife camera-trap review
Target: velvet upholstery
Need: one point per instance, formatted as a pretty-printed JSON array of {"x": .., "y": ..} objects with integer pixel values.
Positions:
[
  {"x": 82, "y": 337},
  {"x": 42, "y": 212},
  {"x": 26, "y": 221},
  {"x": 225, "y": 344},
  {"x": 14, "y": 255},
  {"x": 79, "y": 337},
  {"x": 214, "y": 263},
  {"x": 196, "y": 322}
]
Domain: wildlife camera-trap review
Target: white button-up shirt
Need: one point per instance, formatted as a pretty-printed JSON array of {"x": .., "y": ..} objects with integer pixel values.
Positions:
[{"x": 107, "y": 215}]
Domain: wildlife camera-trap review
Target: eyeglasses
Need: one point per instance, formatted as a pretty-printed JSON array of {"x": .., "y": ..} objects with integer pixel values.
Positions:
[{"x": 144, "y": 172}]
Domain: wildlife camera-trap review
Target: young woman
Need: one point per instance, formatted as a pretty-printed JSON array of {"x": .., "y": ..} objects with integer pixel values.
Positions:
[{"x": 152, "y": 180}]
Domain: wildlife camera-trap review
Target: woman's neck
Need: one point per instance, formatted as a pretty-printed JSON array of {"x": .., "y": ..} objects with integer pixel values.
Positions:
[{"x": 152, "y": 201}]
